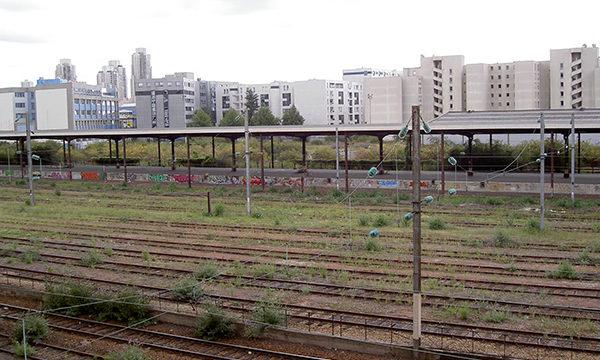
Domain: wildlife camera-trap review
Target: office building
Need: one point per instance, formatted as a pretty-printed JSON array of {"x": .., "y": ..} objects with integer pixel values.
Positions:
[
  {"x": 113, "y": 78},
  {"x": 141, "y": 68},
  {"x": 65, "y": 70},
  {"x": 58, "y": 105},
  {"x": 165, "y": 102}
]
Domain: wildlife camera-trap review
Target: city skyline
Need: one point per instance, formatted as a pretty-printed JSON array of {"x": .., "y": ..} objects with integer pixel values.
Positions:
[{"x": 323, "y": 49}]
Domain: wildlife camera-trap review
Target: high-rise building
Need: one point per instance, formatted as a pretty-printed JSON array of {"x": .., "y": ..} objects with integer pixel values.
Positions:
[
  {"x": 141, "y": 68},
  {"x": 113, "y": 77},
  {"x": 572, "y": 77},
  {"x": 65, "y": 70},
  {"x": 165, "y": 102},
  {"x": 206, "y": 96}
]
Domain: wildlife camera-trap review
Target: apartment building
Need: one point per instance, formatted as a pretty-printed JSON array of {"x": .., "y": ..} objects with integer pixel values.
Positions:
[
  {"x": 329, "y": 102},
  {"x": 141, "y": 68},
  {"x": 65, "y": 70},
  {"x": 277, "y": 96},
  {"x": 113, "y": 77},
  {"x": 167, "y": 102},
  {"x": 58, "y": 105},
  {"x": 572, "y": 77}
]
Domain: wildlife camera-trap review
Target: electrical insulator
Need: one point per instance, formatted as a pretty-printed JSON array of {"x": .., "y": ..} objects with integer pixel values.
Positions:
[
  {"x": 408, "y": 216},
  {"x": 452, "y": 161},
  {"x": 452, "y": 191},
  {"x": 402, "y": 134},
  {"x": 426, "y": 127},
  {"x": 373, "y": 171},
  {"x": 428, "y": 199},
  {"x": 374, "y": 233}
]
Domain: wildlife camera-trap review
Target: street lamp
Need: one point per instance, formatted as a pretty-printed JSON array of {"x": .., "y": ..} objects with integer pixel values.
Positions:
[{"x": 370, "y": 97}]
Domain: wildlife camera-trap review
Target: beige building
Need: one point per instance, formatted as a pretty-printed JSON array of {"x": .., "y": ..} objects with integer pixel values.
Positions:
[
  {"x": 572, "y": 77},
  {"x": 383, "y": 100}
]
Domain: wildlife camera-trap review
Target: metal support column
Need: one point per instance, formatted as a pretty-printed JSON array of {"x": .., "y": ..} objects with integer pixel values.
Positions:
[
  {"x": 579, "y": 153},
  {"x": 172, "y": 154},
  {"x": 69, "y": 161},
  {"x": 470, "y": 149},
  {"x": 346, "y": 162},
  {"x": 272, "y": 154},
  {"x": 491, "y": 145},
  {"x": 159, "y": 154},
  {"x": 337, "y": 159},
  {"x": 443, "y": 163},
  {"x": 125, "y": 161},
  {"x": 21, "y": 151},
  {"x": 566, "y": 156},
  {"x": 381, "y": 170},
  {"x": 542, "y": 165},
  {"x": 109, "y": 150},
  {"x": 189, "y": 162},
  {"x": 572, "y": 148},
  {"x": 117, "y": 153},
  {"x": 65, "y": 152},
  {"x": 213, "y": 147},
  {"x": 29, "y": 163},
  {"x": 247, "y": 156},
  {"x": 262, "y": 164},
  {"x": 416, "y": 209},
  {"x": 552, "y": 162},
  {"x": 233, "y": 163}
]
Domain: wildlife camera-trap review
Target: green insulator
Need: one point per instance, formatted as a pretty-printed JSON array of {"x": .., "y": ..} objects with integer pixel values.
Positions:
[
  {"x": 402, "y": 134},
  {"x": 426, "y": 127},
  {"x": 373, "y": 171},
  {"x": 428, "y": 199},
  {"x": 452, "y": 161},
  {"x": 408, "y": 216},
  {"x": 452, "y": 191},
  {"x": 374, "y": 233}
]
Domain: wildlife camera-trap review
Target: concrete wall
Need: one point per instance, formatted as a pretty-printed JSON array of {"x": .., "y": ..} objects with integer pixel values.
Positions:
[
  {"x": 589, "y": 63},
  {"x": 52, "y": 109},
  {"x": 478, "y": 87},
  {"x": 385, "y": 105},
  {"x": 7, "y": 111}
]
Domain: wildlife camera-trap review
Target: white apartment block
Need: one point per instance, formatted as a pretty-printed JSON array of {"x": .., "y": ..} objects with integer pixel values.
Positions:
[
  {"x": 329, "y": 102},
  {"x": 113, "y": 77},
  {"x": 518, "y": 85},
  {"x": 572, "y": 78},
  {"x": 383, "y": 100},
  {"x": 65, "y": 70},
  {"x": 277, "y": 96}
]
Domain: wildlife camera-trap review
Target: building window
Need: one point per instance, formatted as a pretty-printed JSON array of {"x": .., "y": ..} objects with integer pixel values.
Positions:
[
  {"x": 562, "y": 66},
  {"x": 20, "y": 105},
  {"x": 507, "y": 76},
  {"x": 507, "y": 86},
  {"x": 562, "y": 103},
  {"x": 492, "y": 104},
  {"x": 340, "y": 98},
  {"x": 451, "y": 97},
  {"x": 562, "y": 76},
  {"x": 286, "y": 99},
  {"x": 499, "y": 86},
  {"x": 491, "y": 77},
  {"x": 451, "y": 88},
  {"x": 450, "y": 71},
  {"x": 507, "y": 104},
  {"x": 20, "y": 94},
  {"x": 451, "y": 106},
  {"x": 562, "y": 93},
  {"x": 498, "y": 67},
  {"x": 499, "y": 77},
  {"x": 506, "y": 67},
  {"x": 492, "y": 86},
  {"x": 492, "y": 95},
  {"x": 562, "y": 84},
  {"x": 499, "y": 95}
]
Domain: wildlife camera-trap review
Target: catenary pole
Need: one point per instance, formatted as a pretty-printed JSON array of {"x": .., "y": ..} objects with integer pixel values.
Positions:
[
  {"x": 247, "y": 153},
  {"x": 572, "y": 146},
  {"x": 416, "y": 204},
  {"x": 337, "y": 159},
  {"x": 29, "y": 160},
  {"x": 542, "y": 163}
]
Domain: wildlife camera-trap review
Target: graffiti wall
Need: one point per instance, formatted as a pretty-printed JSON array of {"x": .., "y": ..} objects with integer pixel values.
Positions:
[{"x": 94, "y": 176}]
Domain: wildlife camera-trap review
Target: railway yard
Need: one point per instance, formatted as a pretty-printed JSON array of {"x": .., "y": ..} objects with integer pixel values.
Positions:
[{"x": 145, "y": 267}]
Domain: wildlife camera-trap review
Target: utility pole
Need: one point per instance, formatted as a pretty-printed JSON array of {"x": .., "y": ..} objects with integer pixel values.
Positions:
[
  {"x": 247, "y": 151},
  {"x": 542, "y": 163},
  {"x": 416, "y": 203},
  {"x": 572, "y": 146},
  {"x": 29, "y": 159},
  {"x": 337, "y": 159}
]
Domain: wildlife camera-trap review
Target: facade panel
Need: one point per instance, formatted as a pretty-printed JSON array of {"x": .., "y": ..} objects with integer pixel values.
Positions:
[{"x": 52, "y": 109}]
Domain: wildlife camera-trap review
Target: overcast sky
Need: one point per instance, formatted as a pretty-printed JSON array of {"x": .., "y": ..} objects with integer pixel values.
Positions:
[{"x": 265, "y": 40}]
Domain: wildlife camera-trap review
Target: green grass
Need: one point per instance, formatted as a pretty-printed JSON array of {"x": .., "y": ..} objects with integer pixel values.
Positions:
[
  {"x": 496, "y": 317},
  {"x": 188, "y": 289},
  {"x": 92, "y": 258},
  {"x": 36, "y": 328},
  {"x": 130, "y": 353},
  {"x": 372, "y": 245},
  {"x": 381, "y": 221},
  {"x": 437, "y": 224},
  {"x": 20, "y": 347},
  {"x": 30, "y": 256},
  {"x": 564, "y": 271},
  {"x": 502, "y": 239},
  {"x": 206, "y": 271},
  {"x": 214, "y": 324}
]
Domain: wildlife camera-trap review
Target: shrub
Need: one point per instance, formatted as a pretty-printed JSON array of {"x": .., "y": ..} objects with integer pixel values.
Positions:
[
  {"x": 146, "y": 256},
  {"x": 462, "y": 312},
  {"x": 19, "y": 349},
  {"x": 206, "y": 271},
  {"x": 70, "y": 295},
  {"x": 532, "y": 225},
  {"x": 337, "y": 194},
  {"x": 267, "y": 312},
  {"x": 502, "y": 239},
  {"x": 188, "y": 290},
  {"x": 214, "y": 324},
  {"x": 256, "y": 215},
  {"x": 364, "y": 220},
  {"x": 372, "y": 245},
  {"x": 264, "y": 270},
  {"x": 594, "y": 246},
  {"x": 494, "y": 201},
  {"x": 130, "y": 353},
  {"x": 108, "y": 251},
  {"x": 91, "y": 259},
  {"x": 496, "y": 317},
  {"x": 57, "y": 192},
  {"x": 381, "y": 221},
  {"x": 30, "y": 256},
  {"x": 564, "y": 271},
  {"x": 127, "y": 306},
  {"x": 36, "y": 328},
  {"x": 437, "y": 224},
  {"x": 219, "y": 210}
]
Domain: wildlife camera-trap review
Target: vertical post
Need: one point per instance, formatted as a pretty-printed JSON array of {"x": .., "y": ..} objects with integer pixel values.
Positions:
[
  {"x": 213, "y": 147},
  {"x": 470, "y": 172},
  {"x": 491, "y": 144},
  {"x": 247, "y": 153},
  {"x": 24, "y": 341},
  {"x": 572, "y": 159},
  {"x": 233, "y": 164},
  {"x": 381, "y": 170},
  {"x": 65, "y": 151},
  {"x": 69, "y": 160},
  {"x": 579, "y": 153},
  {"x": 416, "y": 202},
  {"x": 29, "y": 163},
  {"x": 443, "y": 163},
  {"x": 117, "y": 153},
  {"x": 8, "y": 160},
  {"x": 189, "y": 163},
  {"x": 272, "y": 154},
  {"x": 346, "y": 161},
  {"x": 542, "y": 163},
  {"x": 552, "y": 162},
  {"x": 208, "y": 202},
  {"x": 262, "y": 164},
  {"x": 337, "y": 159},
  {"x": 159, "y": 154},
  {"x": 125, "y": 160},
  {"x": 303, "y": 154},
  {"x": 21, "y": 151},
  {"x": 566, "y": 156},
  {"x": 172, "y": 154},
  {"x": 109, "y": 150}
]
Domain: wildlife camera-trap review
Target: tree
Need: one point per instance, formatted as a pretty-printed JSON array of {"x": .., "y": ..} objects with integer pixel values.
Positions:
[
  {"x": 232, "y": 118},
  {"x": 264, "y": 117},
  {"x": 292, "y": 117},
  {"x": 251, "y": 102},
  {"x": 200, "y": 119}
]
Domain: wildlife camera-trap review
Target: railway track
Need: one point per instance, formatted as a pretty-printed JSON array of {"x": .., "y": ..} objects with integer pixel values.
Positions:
[
  {"x": 165, "y": 342},
  {"x": 505, "y": 342},
  {"x": 45, "y": 351}
]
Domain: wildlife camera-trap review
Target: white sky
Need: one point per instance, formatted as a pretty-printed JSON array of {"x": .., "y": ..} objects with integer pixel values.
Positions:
[{"x": 265, "y": 40}]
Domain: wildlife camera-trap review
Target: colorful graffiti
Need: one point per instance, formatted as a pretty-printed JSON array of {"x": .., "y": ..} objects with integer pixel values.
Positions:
[{"x": 90, "y": 176}]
